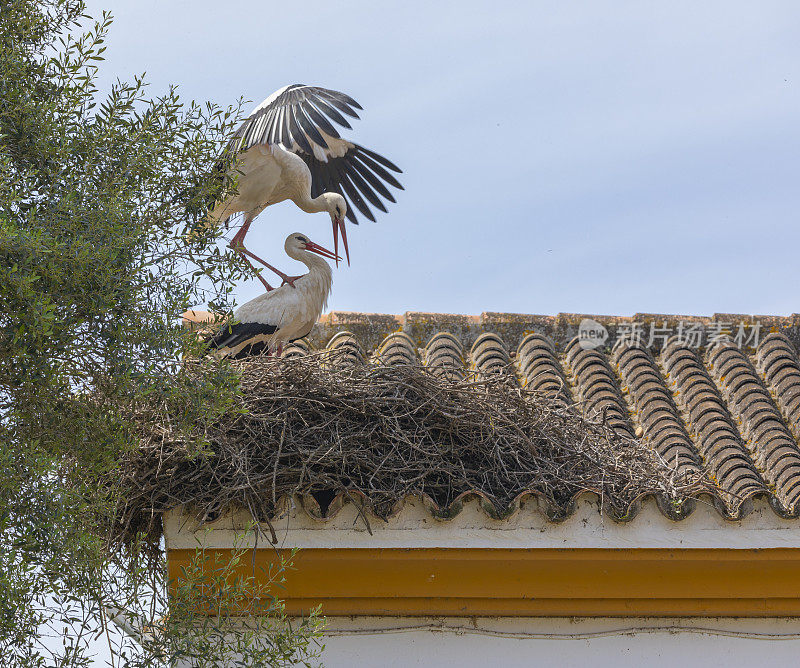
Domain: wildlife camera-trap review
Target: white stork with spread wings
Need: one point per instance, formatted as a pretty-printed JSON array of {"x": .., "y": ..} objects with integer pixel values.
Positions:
[
  {"x": 283, "y": 314},
  {"x": 288, "y": 148}
]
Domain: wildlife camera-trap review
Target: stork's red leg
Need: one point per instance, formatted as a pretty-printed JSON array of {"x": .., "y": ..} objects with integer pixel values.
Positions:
[
  {"x": 263, "y": 280},
  {"x": 237, "y": 244},
  {"x": 286, "y": 279},
  {"x": 238, "y": 238}
]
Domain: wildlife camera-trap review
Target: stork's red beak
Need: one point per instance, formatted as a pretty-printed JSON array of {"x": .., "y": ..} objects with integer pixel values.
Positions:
[
  {"x": 338, "y": 225},
  {"x": 319, "y": 250}
]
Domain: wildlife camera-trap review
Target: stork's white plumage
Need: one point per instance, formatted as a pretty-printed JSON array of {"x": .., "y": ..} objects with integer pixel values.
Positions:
[
  {"x": 283, "y": 314},
  {"x": 288, "y": 148}
]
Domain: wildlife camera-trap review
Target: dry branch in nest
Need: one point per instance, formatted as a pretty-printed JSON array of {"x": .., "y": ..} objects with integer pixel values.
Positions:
[{"x": 308, "y": 425}]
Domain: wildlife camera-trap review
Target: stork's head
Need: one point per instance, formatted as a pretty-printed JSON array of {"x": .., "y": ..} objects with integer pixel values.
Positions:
[
  {"x": 296, "y": 242},
  {"x": 337, "y": 207}
]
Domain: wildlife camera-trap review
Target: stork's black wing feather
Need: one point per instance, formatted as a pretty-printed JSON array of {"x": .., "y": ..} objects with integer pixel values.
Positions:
[
  {"x": 359, "y": 176},
  {"x": 254, "y": 349},
  {"x": 369, "y": 163},
  {"x": 363, "y": 187},
  {"x": 311, "y": 129},
  {"x": 230, "y": 336},
  {"x": 300, "y": 137},
  {"x": 325, "y": 107},
  {"x": 374, "y": 181}
]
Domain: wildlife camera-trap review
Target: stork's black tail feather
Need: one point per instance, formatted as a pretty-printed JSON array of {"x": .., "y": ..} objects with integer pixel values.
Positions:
[{"x": 231, "y": 336}]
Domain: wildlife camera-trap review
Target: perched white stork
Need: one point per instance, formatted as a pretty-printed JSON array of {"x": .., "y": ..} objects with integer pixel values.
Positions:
[
  {"x": 282, "y": 314},
  {"x": 288, "y": 148}
]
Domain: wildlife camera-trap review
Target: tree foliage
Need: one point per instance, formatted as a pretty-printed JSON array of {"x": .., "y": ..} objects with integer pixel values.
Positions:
[{"x": 97, "y": 192}]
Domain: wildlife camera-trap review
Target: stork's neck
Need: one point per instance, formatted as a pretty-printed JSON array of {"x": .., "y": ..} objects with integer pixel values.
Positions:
[
  {"x": 317, "y": 283},
  {"x": 316, "y": 265},
  {"x": 311, "y": 204}
]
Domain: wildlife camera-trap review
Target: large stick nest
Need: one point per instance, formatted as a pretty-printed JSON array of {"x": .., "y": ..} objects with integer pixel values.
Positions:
[{"x": 309, "y": 426}]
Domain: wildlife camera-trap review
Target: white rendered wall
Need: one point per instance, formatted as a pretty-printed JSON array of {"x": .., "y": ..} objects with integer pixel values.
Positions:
[{"x": 501, "y": 643}]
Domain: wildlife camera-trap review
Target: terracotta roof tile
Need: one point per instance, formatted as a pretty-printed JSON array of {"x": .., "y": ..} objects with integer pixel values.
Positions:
[
  {"x": 778, "y": 364},
  {"x": 768, "y": 441},
  {"x": 489, "y": 354},
  {"x": 397, "y": 348},
  {"x": 538, "y": 368},
  {"x": 710, "y": 424},
  {"x": 653, "y": 406},
  {"x": 597, "y": 387},
  {"x": 445, "y": 356},
  {"x": 347, "y": 347}
]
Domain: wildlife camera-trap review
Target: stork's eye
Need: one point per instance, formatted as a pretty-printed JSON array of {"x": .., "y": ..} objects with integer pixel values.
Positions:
[{"x": 301, "y": 239}]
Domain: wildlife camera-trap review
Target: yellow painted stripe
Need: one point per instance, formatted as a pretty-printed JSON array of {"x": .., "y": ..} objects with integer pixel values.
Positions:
[{"x": 531, "y": 582}]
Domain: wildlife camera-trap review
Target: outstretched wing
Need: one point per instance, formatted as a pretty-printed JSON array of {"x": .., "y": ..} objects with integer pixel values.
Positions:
[
  {"x": 301, "y": 119},
  {"x": 295, "y": 116}
]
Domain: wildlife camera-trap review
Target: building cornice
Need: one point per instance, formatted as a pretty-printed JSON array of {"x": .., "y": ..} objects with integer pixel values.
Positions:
[{"x": 530, "y": 582}]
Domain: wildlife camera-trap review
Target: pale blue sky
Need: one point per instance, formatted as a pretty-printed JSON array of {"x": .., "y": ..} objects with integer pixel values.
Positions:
[{"x": 595, "y": 157}]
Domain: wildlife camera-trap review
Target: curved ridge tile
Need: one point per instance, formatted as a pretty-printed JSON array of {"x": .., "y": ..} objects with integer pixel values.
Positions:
[
  {"x": 297, "y": 348},
  {"x": 489, "y": 354},
  {"x": 778, "y": 363},
  {"x": 397, "y": 349},
  {"x": 597, "y": 387},
  {"x": 444, "y": 357},
  {"x": 345, "y": 350},
  {"x": 656, "y": 413},
  {"x": 712, "y": 427},
  {"x": 538, "y": 368},
  {"x": 771, "y": 446}
]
